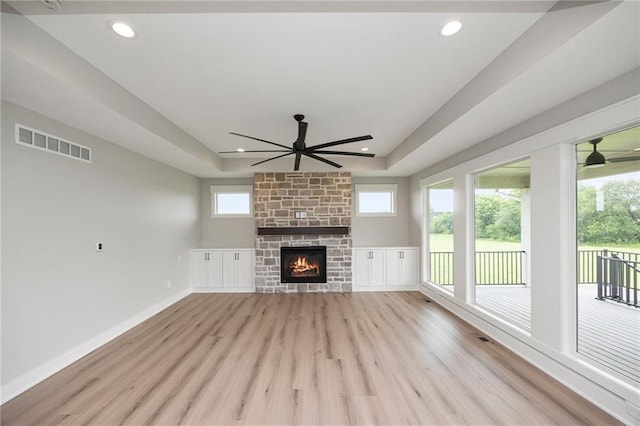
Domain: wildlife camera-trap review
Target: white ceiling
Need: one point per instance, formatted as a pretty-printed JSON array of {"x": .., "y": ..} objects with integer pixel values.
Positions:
[{"x": 188, "y": 79}]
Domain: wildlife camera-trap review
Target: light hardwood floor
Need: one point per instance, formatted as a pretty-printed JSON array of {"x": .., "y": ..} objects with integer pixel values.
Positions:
[{"x": 361, "y": 358}]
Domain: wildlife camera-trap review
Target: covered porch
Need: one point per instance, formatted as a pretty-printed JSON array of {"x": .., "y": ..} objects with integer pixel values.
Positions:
[{"x": 608, "y": 332}]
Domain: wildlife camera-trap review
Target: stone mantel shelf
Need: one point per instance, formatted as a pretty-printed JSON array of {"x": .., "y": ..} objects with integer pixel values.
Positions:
[{"x": 304, "y": 230}]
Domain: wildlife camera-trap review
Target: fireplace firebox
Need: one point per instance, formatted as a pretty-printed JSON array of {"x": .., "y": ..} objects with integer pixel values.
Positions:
[{"x": 306, "y": 264}]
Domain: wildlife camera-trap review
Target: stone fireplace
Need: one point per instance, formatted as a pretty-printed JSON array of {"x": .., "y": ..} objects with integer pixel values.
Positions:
[{"x": 298, "y": 210}]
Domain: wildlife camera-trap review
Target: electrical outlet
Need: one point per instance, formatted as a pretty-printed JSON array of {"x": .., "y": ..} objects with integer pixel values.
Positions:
[
  {"x": 99, "y": 247},
  {"x": 168, "y": 284},
  {"x": 179, "y": 258}
]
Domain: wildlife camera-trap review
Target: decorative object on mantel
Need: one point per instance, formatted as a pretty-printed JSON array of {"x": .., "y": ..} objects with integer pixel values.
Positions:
[
  {"x": 304, "y": 230},
  {"x": 299, "y": 147}
]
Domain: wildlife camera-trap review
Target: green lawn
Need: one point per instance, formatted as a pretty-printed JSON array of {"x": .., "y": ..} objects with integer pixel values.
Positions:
[{"x": 444, "y": 242}]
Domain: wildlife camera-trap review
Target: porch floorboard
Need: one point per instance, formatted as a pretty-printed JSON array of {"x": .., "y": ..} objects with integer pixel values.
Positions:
[{"x": 608, "y": 332}]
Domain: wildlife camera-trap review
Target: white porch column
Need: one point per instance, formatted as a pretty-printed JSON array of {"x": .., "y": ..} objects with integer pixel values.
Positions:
[
  {"x": 463, "y": 250},
  {"x": 553, "y": 245}
]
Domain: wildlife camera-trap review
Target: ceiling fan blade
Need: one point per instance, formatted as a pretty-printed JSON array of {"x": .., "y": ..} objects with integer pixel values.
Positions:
[
  {"x": 261, "y": 140},
  {"x": 302, "y": 133},
  {"x": 623, "y": 159},
  {"x": 272, "y": 158},
  {"x": 340, "y": 142},
  {"x": 296, "y": 167},
  {"x": 356, "y": 154},
  {"x": 241, "y": 152},
  {"x": 324, "y": 160}
]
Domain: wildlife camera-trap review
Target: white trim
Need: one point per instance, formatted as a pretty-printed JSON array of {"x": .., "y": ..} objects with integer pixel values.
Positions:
[
  {"x": 49, "y": 368},
  {"x": 391, "y": 188},
  {"x": 426, "y": 226},
  {"x": 623, "y": 114},
  {"x": 231, "y": 189}
]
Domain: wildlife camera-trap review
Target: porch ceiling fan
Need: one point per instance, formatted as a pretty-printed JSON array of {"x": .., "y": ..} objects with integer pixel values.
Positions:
[
  {"x": 299, "y": 147},
  {"x": 597, "y": 159}
]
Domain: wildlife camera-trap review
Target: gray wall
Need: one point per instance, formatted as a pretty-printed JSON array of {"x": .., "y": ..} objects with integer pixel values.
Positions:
[
  {"x": 57, "y": 291},
  {"x": 366, "y": 231},
  {"x": 224, "y": 232},
  {"x": 383, "y": 231}
]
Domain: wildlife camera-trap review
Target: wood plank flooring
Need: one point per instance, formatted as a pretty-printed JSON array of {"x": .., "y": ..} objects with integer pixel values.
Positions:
[{"x": 360, "y": 358}]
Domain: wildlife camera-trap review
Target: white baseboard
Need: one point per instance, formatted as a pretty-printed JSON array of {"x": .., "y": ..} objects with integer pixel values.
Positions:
[
  {"x": 612, "y": 397},
  {"x": 385, "y": 288},
  {"x": 223, "y": 290},
  {"x": 38, "y": 374}
]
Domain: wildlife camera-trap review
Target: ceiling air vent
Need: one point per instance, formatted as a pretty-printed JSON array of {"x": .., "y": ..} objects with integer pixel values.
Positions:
[{"x": 53, "y": 144}]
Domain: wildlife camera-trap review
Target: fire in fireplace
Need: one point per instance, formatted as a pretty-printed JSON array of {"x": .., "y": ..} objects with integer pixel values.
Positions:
[{"x": 303, "y": 264}]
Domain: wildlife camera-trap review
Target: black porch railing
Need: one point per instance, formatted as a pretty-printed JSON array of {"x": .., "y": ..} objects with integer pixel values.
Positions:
[
  {"x": 441, "y": 270},
  {"x": 492, "y": 267},
  {"x": 618, "y": 279},
  {"x": 588, "y": 261},
  {"x": 506, "y": 267}
]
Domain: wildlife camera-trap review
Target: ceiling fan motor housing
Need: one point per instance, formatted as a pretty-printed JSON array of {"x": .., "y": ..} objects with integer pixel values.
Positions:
[{"x": 595, "y": 159}]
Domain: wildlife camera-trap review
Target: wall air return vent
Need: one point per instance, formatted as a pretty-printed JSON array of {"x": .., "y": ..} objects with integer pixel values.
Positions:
[{"x": 53, "y": 144}]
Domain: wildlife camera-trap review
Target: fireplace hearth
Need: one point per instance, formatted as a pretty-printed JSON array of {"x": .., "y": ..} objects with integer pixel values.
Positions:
[{"x": 307, "y": 264}]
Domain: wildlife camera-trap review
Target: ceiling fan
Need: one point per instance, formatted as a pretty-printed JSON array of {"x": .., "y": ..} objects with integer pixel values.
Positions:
[
  {"x": 597, "y": 159},
  {"x": 299, "y": 148}
]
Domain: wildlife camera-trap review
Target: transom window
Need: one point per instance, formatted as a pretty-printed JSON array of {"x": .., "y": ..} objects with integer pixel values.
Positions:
[
  {"x": 229, "y": 201},
  {"x": 376, "y": 200}
]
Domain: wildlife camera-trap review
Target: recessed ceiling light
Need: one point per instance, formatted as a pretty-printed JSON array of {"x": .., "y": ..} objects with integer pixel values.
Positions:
[
  {"x": 240, "y": 149},
  {"x": 364, "y": 149},
  {"x": 54, "y": 5},
  {"x": 122, "y": 29},
  {"x": 451, "y": 28}
]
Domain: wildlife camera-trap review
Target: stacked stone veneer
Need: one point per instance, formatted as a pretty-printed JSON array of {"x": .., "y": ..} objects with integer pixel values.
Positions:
[{"x": 326, "y": 198}]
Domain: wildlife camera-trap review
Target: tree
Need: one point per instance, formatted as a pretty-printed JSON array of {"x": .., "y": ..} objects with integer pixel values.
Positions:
[
  {"x": 507, "y": 222},
  {"x": 441, "y": 223},
  {"x": 624, "y": 199},
  {"x": 497, "y": 218},
  {"x": 618, "y": 222},
  {"x": 486, "y": 208}
]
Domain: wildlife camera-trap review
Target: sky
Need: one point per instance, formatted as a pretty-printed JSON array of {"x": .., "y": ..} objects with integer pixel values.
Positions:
[
  {"x": 441, "y": 200},
  {"x": 598, "y": 182}
]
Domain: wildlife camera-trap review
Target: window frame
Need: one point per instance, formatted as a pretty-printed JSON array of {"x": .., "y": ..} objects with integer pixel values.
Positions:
[
  {"x": 426, "y": 235},
  {"x": 230, "y": 189},
  {"x": 391, "y": 188}
]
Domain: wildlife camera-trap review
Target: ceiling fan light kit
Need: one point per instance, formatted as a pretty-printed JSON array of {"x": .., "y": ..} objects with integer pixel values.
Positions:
[
  {"x": 299, "y": 147},
  {"x": 595, "y": 159}
]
